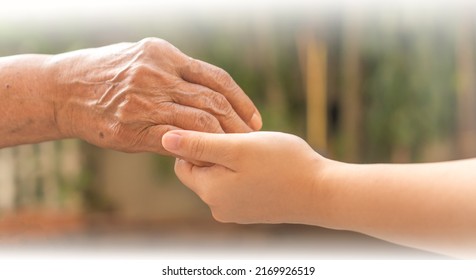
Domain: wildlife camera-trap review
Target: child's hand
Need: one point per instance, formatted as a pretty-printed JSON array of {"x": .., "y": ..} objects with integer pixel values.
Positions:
[
  {"x": 269, "y": 177},
  {"x": 265, "y": 177}
]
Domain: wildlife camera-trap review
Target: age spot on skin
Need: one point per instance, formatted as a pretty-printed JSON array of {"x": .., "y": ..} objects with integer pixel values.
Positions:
[
  {"x": 22, "y": 126},
  {"x": 7, "y": 86},
  {"x": 101, "y": 135}
]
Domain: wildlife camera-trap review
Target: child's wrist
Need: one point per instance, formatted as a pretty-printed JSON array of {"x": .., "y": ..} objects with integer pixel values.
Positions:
[{"x": 326, "y": 189}]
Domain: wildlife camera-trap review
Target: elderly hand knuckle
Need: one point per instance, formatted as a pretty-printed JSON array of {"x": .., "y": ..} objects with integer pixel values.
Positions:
[
  {"x": 220, "y": 101},
  {"x": 204, "y": 121},
  {"x": 221, "y": 73},
  {"x": 189, "y": 64},
  {"x": 137, "y": 74},
  {"x": 224, "y": 78},
  {"x": 220, "y": 104},
  {"x": 150, "y": 42},
  {"x": 139, "y": 70}
]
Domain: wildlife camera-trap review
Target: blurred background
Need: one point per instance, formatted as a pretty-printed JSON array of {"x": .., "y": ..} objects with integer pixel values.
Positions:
[{"x": 361, "y": 83}]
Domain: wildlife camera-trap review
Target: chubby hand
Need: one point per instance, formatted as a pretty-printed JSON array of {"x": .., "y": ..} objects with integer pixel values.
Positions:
[
  {"x": 126, "y": 96},
  {"x": 258, "y": 177}
]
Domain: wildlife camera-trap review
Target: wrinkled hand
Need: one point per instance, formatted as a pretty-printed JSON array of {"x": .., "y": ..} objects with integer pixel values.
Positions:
[
  {"x": 260, "y": 177},
  {"x": 126, "y": 96}
]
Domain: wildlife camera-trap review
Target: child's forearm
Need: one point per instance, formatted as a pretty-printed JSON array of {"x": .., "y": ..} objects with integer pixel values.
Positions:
[{"x": 429, "y": 206}]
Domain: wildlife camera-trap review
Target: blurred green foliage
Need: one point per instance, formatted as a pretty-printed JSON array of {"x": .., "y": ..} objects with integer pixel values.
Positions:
[
  {"x": 408, "y": 69},
  {"x": 409, "y": 87}
]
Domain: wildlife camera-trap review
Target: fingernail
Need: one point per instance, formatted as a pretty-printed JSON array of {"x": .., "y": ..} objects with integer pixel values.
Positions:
[
  {"x": 256, "y": 123},
  {"x": 171, "y": 141}
]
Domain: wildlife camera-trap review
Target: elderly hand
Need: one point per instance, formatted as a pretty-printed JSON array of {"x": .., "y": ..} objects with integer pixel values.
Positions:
[{"x": 126, "y": 96}]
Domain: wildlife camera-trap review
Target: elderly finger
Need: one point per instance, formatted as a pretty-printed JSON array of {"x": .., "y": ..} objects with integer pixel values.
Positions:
[
  {"x": 215, "y": 78},
  {"x": 150, "y": 139},
  {"x": 203, "y": 98},
  {"x": 188, "y": 118}
]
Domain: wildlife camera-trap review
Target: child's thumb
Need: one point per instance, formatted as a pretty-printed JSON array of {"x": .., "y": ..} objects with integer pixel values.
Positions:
[{"x": 197, "y": 146}]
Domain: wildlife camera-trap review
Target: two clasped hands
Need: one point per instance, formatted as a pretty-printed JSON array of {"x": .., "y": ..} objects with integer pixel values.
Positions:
[{"x": 150, "y": 97}]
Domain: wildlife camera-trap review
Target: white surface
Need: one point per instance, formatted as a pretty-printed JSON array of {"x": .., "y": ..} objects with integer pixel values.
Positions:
[{"x": 55, "y": 9}]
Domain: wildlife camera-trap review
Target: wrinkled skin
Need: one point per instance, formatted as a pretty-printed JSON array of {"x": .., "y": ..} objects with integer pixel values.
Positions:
[{"x": 126, "y": 96}]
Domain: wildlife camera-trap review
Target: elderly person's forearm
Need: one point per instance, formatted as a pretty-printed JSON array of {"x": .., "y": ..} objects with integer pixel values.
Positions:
[{"x": 27, "y": 107}]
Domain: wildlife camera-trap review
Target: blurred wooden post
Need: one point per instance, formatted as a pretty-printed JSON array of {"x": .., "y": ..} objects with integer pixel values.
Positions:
[
  {"x": 41, "y": 176},
  {"x": 70, "y": 165},
  {"x": 7, "y": 180},
  {"x": 266, "y": 56},
  {"x": 466, "y": 87},
  {"x": 26, "y": 176},
  {"x": 315, "y": 63},
  {"x": 350, "y": 99},
  {"x": 48, "y": 174}
]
